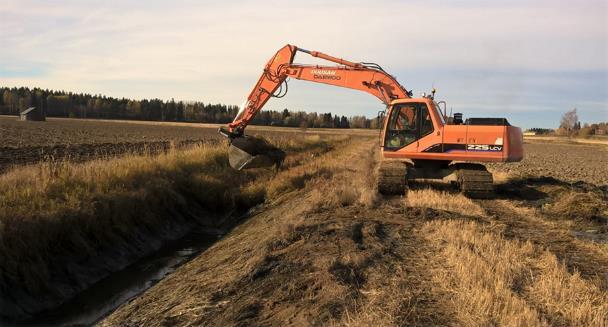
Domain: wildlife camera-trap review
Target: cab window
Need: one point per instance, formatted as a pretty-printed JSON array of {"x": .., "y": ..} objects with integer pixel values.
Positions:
[{"x": 408, "y": 122}]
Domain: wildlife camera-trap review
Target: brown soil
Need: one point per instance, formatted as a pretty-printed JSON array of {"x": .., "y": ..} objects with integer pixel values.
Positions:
[
  {"x": 54, "y": 132},
  {"x": 64, "y": 131},
  {"x": 541, "y": 210},
  {"x": 562, "y": 161}
]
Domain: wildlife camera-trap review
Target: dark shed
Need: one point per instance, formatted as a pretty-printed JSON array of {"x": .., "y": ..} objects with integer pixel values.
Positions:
[{"x": 32, "y": 113}]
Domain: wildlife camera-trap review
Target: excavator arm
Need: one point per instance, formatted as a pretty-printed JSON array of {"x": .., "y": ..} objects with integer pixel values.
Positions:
[
  {"x": 366, "y": 77},
  {"x": 248, "y": 152}
]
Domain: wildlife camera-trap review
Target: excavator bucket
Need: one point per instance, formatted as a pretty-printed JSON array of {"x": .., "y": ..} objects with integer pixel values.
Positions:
[{"x": 248, "y": 152}]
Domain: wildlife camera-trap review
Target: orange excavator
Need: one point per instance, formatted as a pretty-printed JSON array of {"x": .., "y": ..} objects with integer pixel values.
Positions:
[{"x": 418, "y": 140}]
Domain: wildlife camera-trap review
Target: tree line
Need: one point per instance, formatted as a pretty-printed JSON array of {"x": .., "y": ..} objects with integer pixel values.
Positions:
[
  {"x": 82, "y": 105},
  {"x": 570, "y": 126}
]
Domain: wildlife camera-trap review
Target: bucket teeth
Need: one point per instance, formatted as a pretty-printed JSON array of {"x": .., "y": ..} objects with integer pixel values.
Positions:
[{"x": 248, "y": 152}]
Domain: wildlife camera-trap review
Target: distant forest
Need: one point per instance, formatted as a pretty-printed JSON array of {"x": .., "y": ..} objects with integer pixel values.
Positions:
[{"x": 79, "y": 105}]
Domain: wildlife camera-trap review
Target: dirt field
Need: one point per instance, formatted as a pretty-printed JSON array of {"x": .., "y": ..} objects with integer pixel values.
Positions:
[
  {"x": 63, "y": 131},
  {"x": 335, "y": 254},
  {"x": 79, "y": 140},
  {"x": 563, "y": 161}
]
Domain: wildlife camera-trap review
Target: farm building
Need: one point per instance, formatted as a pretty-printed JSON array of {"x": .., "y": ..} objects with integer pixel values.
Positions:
[{"x": 32, "y": 113}]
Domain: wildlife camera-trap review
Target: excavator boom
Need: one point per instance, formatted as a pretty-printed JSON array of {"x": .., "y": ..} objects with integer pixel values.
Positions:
[{"x": 367, "y": 77}]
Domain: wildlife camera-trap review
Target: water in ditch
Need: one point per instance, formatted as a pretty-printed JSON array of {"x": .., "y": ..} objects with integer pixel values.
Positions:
[{"x": 105, "y": 296}]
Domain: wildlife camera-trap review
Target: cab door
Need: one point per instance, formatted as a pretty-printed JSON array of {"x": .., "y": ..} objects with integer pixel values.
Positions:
[
  {"x": 426, "y": 128},
  {"x": 402, "y": 129},
  {"x": 407, "y": 124}
]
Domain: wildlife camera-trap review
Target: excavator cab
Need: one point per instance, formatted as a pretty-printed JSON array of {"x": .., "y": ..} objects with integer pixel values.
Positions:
[{"x": 408, "y": 122}]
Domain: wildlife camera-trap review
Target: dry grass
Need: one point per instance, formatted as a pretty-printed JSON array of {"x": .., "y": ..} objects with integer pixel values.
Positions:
[
  {"x": 333, "y": 181},
  {"x": 567, "y": 298},
  {"x": 352, "y": 183},
  {"x": 483, "y": 273},
  {"x": 385, "y": 296},
  {"x": 63, "y": 209},
  {"x": 496, "y": 281},
  {"x": 246, "y": 258},
  {"x": 60, "y": 209},
  {"x": 456, "y": 202}
]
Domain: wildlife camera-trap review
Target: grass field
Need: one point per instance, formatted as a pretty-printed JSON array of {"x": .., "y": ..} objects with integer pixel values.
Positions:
[{"x": 320, "y": 247}]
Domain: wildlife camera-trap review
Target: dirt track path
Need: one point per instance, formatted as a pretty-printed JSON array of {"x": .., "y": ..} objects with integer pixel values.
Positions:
[{"x": 350, "y": 265}]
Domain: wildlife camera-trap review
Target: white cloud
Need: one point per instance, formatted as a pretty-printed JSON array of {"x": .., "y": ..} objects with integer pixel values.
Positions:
[{"x": 213, "y": 50}]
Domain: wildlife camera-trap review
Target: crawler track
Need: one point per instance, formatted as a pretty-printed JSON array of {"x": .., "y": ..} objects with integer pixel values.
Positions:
[
  {"x": 392, "y": 178},
  {"x": 475, "y": 181}
]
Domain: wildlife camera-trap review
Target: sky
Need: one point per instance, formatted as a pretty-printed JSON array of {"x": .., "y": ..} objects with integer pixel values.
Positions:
[{"x": 529, "y": 61}]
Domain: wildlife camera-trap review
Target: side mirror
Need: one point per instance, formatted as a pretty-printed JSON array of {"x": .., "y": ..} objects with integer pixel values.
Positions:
[{"x": 380, "y": 118}]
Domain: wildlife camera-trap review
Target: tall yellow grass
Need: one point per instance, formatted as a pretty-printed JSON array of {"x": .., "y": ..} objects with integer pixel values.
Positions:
[{"x": 65, "y": 209}]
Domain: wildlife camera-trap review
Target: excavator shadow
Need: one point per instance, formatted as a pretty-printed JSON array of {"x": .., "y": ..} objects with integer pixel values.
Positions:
[
  {"x": 521, "y": 189},
  {"x": 529, "y": 188}
]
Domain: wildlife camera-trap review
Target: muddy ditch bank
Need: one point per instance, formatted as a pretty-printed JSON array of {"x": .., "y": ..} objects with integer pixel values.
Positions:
[{"x": 288, "y": 265}]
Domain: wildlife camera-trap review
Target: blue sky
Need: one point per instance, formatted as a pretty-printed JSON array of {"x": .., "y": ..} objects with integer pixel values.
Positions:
[{"x": 529, "y": 61}]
